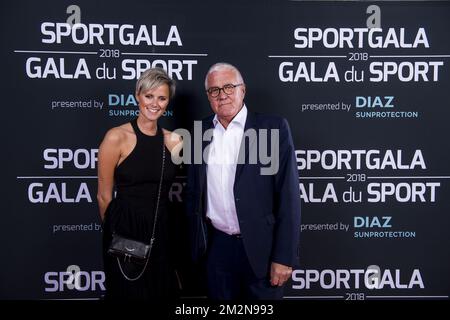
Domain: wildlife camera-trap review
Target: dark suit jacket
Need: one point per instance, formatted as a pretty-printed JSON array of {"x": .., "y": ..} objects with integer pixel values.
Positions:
[{"x": 268, "y": 206}]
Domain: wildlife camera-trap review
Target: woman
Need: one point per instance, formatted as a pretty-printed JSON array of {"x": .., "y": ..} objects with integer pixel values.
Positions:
[{"x": 136, "y": 158}]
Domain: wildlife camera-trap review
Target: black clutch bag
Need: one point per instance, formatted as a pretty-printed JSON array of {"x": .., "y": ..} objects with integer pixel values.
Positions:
[{"x": 128, "y": 249}]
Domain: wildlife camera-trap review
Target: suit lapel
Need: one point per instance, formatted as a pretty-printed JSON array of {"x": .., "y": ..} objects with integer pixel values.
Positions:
[
  {"x": 250, "y": 123},
  {"x": 206, "y": 124}
]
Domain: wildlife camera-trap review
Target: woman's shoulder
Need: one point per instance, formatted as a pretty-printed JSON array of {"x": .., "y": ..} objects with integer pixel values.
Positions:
[
  {"x": 168, "y": 133},
  {"x": 119, "y": 134},
  {"x": 172, "y": 139}
]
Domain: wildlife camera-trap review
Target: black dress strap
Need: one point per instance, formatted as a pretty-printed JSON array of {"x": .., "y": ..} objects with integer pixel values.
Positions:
[
  {"x": 138, "y": 131},
  {"x": 135, "y": 127}
]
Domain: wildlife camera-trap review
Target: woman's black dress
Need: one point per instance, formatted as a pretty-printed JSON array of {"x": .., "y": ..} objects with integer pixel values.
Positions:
[{"x": 131, "y": 214}]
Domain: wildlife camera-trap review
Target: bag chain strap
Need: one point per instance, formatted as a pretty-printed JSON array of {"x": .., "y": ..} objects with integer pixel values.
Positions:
[{"x": 154, "y": 222}]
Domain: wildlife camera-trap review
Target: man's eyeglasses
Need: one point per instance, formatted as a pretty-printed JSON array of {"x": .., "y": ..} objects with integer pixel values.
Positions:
[{"x": 228, "y": 89}]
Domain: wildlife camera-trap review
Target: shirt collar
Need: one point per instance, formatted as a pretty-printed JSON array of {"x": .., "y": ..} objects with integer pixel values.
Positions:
[{"x": 238, "y": 119}]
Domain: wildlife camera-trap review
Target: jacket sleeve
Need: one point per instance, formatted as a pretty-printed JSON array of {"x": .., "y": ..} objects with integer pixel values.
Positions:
[
  {"x": 197, "y": 228},
  {"x": 287, "y": 202}
]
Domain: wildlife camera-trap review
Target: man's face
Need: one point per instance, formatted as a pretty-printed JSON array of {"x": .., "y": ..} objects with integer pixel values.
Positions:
[{"x": 226, "y": 106}]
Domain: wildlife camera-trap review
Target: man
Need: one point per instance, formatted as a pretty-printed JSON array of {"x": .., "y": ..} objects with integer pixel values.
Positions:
[{"x": 245, "y": 220}]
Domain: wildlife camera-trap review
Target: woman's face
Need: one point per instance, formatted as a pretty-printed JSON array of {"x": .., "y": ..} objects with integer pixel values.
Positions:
[{"x": 153, "y": 102}]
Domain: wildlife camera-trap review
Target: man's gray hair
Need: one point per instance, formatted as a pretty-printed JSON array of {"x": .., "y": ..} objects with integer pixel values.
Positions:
[{"x": 223, "y": 66}]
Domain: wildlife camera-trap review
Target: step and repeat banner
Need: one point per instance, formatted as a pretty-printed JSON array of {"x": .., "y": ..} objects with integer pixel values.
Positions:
[{"x": 365, "y": 87}]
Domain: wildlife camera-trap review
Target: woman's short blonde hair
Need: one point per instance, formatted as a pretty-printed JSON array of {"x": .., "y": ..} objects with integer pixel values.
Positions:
[{"x": 153, "y": 78}]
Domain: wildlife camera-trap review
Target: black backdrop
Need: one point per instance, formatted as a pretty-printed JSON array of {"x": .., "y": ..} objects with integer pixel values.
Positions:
[{"x": 52, "y": 126}]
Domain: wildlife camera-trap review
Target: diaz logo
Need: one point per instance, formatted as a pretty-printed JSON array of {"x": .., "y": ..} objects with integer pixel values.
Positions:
[
  {"x": 126, "y": 105},
  {"x": 380, "y": 107}
]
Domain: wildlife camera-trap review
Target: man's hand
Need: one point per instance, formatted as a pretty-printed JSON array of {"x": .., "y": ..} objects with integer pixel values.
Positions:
[{"x": 279, "y": 274}]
